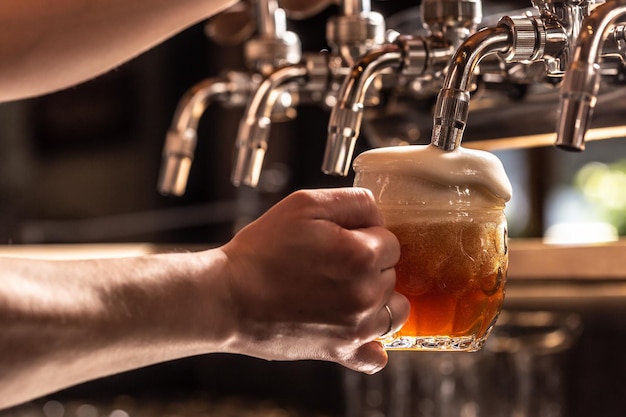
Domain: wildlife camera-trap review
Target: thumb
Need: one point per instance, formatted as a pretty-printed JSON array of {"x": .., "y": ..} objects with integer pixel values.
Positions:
[{"x": 369, "y": 358}]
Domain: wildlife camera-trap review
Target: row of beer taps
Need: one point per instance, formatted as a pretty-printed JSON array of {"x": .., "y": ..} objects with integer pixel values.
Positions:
[{"x": 571, "y": 41}]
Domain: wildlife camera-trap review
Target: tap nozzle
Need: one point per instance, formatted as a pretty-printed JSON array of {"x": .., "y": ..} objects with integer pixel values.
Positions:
[
  {"x": 452, "y": 108},
  {"x": 345, "y": 120},
  {"x": 514, "y": 39},
  {"x": 451, "y": 113},
  {"x": 581, "y": 80},
  {"x": 178, "y": 154},
  {"x": 252, "y": 137},
  {"x": 180, "y": 143},
  {"x": 250, "y": 151},
  {"x": 578, "y": 99},
  {"x": 343, "y": 132}
]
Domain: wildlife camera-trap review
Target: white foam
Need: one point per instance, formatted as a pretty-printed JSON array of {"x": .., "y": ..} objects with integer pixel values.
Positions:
[{"x": 460, "y": 167}]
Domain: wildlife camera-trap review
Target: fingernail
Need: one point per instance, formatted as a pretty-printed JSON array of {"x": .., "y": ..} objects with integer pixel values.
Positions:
[{"x": 375, "y": 369}]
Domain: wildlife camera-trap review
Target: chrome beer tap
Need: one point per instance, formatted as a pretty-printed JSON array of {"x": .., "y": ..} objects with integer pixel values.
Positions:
[
  {"x": 182, "y": 136},
  {"x": 353, "y": 32},
  {"x": 547, "y": 37},
  {"x": 418, "y": 57},
  {"x": 599, "y": 36},
  {"x": 565, "y": 36},
  {"x": 251, "y": 142},
  {"x": 273, "y": 46}
]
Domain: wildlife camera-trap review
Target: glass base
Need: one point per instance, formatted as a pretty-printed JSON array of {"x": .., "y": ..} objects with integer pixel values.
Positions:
[{"x": 434, "y": 343}]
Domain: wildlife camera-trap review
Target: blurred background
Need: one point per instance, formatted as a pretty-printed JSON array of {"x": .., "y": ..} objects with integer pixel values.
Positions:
[{"x": 81, "y": 166}]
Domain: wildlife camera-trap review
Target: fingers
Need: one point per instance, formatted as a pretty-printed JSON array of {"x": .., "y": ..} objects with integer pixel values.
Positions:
[
  {"x": 383, "y": 246},
  {"x": 344, "y": 227},
  {"x": 351, "y": 208},
  {"x": 393, "y": 315},
  {"x": 334, "y": 261},
  {"x": 371, "y": 357}
]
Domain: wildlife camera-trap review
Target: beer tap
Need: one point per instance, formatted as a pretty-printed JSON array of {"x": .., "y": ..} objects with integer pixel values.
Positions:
[
  {"x": 251, "y": 142},
  {"x": 547, "y": 37},
  {"x": 352, "y": 33},
  {"x": 417, "y": 57},
  {"x": 181, "y": 139},
  {"x": 273, "y": 46},
  {"x": 581, "y": 82}
]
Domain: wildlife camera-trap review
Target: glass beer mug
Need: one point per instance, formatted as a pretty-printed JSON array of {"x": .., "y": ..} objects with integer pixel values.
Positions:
[{"x": 447, "y": 210}]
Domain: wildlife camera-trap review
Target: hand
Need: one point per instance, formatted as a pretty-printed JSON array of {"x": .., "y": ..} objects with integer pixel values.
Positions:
[{"x": 310, "y": 280}]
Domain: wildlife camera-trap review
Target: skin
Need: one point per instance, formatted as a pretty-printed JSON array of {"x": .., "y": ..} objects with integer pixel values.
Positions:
[
  {"x": 51, "y": 45},
  {"x": 307, "y": 280},
  {"x": 318, "y": 293},
  {"x": 48, "y": 46}
]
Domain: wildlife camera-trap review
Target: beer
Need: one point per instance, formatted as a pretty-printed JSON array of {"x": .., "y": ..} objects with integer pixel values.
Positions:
[
  {"x": 447, "y": 210},
  {"x": 453, "y": 273}
]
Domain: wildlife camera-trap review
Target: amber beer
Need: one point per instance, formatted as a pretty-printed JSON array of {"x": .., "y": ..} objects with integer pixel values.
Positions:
[
  {"x": 453, "y": 271},
  {"x": 447, "y": 209}
]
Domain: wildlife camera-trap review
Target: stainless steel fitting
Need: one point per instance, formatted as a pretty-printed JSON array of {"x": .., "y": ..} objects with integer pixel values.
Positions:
[
  {"x": 352, "y": 33},
  {"x": 254, "y": 128},
  {"x": 582, "y": 79},
  {"x": 181, "y": 139},
  {"x": 452, "y": 107},
  {"x": 407, "y": 56},
  {"x": 453, "y": 20}
]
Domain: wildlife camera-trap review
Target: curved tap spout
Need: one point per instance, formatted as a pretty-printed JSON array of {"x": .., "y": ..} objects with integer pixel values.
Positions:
[
  {"x": 346, "y": 117},
  {"x": 254, "y": 128},
  {"x": 273, "y": 46},
  {"x": 582, "y": 79},
  {"x": 452, "y": 108},
  {"x": 180, "y": 143}
]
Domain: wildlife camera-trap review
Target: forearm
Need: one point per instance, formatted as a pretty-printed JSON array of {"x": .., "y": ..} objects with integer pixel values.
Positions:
[
  {"x": 312, "y": 278},
  {"x": 68, "y": 322},
  {"x": 47, "y": 46}
]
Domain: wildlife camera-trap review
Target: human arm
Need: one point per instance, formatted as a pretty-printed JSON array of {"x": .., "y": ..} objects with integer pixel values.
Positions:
[
  {"x": 308, "y": 280},
  {"x": 47, "y": 45}
]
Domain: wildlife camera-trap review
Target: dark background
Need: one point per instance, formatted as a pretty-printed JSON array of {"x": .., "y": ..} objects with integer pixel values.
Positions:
[{"x": 93, "y": 152}]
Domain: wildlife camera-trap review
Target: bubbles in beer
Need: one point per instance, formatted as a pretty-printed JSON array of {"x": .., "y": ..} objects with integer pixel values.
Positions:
[{"x": 453, "y": 272}]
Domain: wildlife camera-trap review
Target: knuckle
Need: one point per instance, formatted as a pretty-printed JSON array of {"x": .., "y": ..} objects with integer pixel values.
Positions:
[
  {"x": 358, "y": 302},
  {"x": 365, "y": 297},
  {"x": 302, "y": 198},
  {"x": 362, "y": 253},
  {"x": 356, "y": 335}
]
